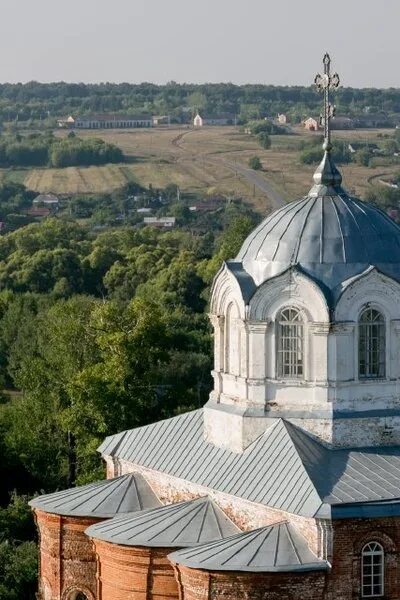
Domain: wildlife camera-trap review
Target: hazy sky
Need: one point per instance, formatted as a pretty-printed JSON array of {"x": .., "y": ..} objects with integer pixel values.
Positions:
[{"x": 266, "y": 41}]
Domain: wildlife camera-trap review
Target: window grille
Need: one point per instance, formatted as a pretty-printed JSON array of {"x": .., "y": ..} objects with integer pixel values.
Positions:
[
  {"x": 290, "y": 344},
  {"x": 371, "y": 344},
  {"x": 372, "y": 570}
]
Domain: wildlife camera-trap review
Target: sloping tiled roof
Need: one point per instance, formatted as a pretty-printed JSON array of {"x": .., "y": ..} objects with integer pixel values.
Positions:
[
  {"x": 102, "y": 499},
  {"x": 284, "y": 468},
  {"x": 269, "y": 549},
  {"x": 173, "y": 526},
  {"x": 267, "y": 472}
]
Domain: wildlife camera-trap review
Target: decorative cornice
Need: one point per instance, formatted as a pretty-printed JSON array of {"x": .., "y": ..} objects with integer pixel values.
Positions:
[
  {"x": 258, "y": 326},
  {"x": 343, "y": 328},
  {"x": 320, "y": 328}
]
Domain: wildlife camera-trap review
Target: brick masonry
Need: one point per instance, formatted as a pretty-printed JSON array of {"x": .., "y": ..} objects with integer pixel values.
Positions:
[
  {"x": 349, "y": 538},
  {"x": 67, "y": 559},
  {"x": 246, "y": 515},
  {"x": 134, "y": 573},
  {"x": 71, "y": 562},
  {"x": 202, "y": 585}
]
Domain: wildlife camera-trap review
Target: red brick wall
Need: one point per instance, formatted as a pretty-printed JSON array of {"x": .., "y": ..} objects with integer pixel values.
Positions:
[
  {"x": 134, "y": 572},
  {"x": 67, "y": 560},
  {"x": 202, "y": 585},
  {"x": 349, "y": 537}
]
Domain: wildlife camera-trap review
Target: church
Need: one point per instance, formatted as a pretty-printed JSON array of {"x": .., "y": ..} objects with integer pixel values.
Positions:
[{"x": 286, "y": 484}]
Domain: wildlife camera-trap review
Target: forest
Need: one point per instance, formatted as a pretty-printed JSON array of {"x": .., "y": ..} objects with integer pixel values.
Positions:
[
  {"x": 99, "y": 332},
  {"x": 43, "y": 103}
]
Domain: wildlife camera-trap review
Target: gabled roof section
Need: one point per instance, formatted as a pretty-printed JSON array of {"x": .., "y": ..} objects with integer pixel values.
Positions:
[
  {"x": 174, "y": 526},
  {"x": 276, "y": 548},
  {"x": 102, "y": 499},
  {"x": 349, "y": 476},
  {"x": 270, "y": 471}
]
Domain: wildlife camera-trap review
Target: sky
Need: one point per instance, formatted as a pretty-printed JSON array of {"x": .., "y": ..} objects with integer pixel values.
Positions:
[{"x": 277, "y": 42}]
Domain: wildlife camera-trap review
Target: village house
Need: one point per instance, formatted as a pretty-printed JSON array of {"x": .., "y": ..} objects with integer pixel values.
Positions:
[
  {"x": 161, "y": 120},
  {"x": 160, "y": 222},
  {"x": 198, "y": 121},
  {"x": 216, "y": 120},
  {"x": 49, "y": 200},
  {"x": 312, "y": 124},
  {"x": 282, "y": 119}
]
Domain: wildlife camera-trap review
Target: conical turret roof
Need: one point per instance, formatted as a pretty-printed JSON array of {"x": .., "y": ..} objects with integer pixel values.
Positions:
[
  {"x": 102, "y": 499},
  {"x": 173, "y": 526},
  {"x": 274, "y": 548}
]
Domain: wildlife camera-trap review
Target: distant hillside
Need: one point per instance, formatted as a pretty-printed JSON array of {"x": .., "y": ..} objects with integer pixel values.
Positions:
[{"x": 44, "y": 102}]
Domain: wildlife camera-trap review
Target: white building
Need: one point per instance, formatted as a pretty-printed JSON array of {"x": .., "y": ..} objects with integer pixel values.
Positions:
[
  {"x": 162, "y": 222},
  {"x": 112, "y": 121},
  {"x": 49, "y": 200},
  {"x": 307, "y": 324},
  {"x": 198, "y": 121}
]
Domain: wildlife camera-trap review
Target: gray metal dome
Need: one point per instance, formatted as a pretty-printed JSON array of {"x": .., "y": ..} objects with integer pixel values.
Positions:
[{"x": 329, "y": 234}]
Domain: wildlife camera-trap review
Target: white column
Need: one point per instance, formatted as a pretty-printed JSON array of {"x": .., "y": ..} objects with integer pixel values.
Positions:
[
  {"x": 257, "y": 331},
  {"x": 317, "y": 351},
  {"x": 218, "y": 322},
  {"x": 257, "y": 361},
  {"x": 393, "y": 344},
  {"x": 342, "y": 362}
]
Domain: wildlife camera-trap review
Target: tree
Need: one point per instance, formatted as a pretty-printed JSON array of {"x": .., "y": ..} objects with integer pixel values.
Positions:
[
  {"x": 18, "y": 571},
  {"x": 364, "y": 156},
  {"x": 39, "y": 431},
  {"x": 264, "y": 140},
  {"x": 255, "y": 163}
]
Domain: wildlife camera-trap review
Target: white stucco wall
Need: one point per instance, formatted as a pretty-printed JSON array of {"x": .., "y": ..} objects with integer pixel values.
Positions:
[{"x": 245, "y": 371}]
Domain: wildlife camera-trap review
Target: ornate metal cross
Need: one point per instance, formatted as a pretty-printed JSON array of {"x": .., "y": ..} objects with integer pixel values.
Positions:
[{"x": 325, "y": 83}]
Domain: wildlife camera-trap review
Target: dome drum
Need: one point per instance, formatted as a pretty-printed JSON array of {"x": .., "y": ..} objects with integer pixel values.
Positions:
[{"x": 286, "y": 315}]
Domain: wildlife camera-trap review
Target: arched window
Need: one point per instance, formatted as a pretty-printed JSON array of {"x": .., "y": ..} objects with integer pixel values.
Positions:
[
  {"x": 372, "y": 570},
  {"x": 290, "y": 346},
  {"x": 371, "y": 344}
]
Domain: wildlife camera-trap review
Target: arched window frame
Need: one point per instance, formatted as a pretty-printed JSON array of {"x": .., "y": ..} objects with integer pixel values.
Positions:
[
  {"x": 75, "y": 592},
  {"x": 290, "y": 343},
  {"x": 232, "y": 340},
  {"x": 372, "y": 570},
  {"x": 371, "y": 356}
]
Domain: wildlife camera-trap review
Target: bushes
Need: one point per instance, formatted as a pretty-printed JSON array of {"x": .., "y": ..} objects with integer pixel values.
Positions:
[
  {"x": 312, "y": 154},
  {"x": 74, "y": 151},
  {"x": 255, "y": 163},
  {"x": 46, "y": 150}
]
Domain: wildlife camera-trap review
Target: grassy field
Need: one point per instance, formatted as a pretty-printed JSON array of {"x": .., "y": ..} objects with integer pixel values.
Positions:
[{"x": 197, "y": 162}]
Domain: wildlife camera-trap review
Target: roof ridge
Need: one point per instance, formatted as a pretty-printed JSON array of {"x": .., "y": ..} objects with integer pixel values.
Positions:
[{"x": 290, "y": 429}]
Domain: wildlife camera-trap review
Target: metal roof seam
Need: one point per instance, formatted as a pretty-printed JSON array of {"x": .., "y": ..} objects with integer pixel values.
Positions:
[
  {"x": 266, "y": 222},
  {"x": 344, "y": 255},
  {"x": 347, "y": 207},
  {"x": 291, "y": 540},
  {"x": 295, "y": 253},
  {"x": 294, "y": 206},
  {"x": 292, "y": 217}
]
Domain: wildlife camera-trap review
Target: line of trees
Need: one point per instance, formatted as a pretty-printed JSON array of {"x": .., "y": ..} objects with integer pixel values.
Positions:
[
  {"x": 44, "y": 102},
  {"x": 38, "y": 150}
]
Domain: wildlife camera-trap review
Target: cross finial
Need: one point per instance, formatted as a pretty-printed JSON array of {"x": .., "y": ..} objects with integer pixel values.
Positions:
[{"x": 325, "y": 83}]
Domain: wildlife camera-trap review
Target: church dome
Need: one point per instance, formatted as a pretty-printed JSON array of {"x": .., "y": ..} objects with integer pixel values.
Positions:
[{"x": 329, "y": 234}]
